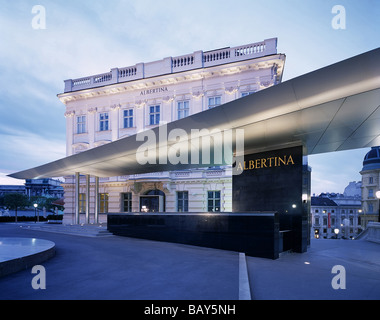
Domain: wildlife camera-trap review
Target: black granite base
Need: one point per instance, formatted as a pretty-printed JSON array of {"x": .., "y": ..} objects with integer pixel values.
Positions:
[
  {"x": 255, "y": 234},
  {"x": 276, "y": 180}
]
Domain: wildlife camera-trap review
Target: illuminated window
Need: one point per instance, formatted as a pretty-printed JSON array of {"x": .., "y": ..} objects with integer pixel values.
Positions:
[
  {"x": 103, "y": 202},
  {"x": 82, "y": 203}
]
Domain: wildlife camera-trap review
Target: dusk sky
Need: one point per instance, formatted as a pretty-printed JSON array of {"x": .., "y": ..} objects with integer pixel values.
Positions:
[{"x": 89, "y": 37}]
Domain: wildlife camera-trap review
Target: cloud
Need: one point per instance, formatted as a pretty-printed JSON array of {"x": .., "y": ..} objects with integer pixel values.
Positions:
[
  {"x": 4, "y": 180},
  {"x": 20, "y": 153}
]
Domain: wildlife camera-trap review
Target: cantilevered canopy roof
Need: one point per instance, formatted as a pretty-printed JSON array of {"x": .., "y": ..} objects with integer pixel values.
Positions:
[{"x": 331, "y": 109}]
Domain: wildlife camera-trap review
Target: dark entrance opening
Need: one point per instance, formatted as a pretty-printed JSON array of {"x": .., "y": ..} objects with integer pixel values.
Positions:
[{"x": 152, "y": 201}]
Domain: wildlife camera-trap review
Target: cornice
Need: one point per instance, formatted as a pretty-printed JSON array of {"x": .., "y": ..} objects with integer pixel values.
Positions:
[{"x": 276, "y": 62}]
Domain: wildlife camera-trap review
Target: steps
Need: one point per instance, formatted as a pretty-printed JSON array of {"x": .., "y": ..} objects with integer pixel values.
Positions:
[{"x": 79, "y": 230}]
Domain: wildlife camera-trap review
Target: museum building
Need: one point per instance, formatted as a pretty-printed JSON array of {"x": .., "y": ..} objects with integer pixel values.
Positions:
[
  {"x": 371, "y": 187},
  {"x": 125, "y": 101}
]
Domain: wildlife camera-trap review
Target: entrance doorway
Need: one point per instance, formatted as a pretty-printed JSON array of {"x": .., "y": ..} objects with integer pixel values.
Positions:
[{"x": 152, "y": 201}]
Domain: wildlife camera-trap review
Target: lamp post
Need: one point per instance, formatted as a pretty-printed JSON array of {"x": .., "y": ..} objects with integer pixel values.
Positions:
[
  {"x": 336, "y": 231},
  {"x": 35, "y": 212},
  {"x": 378, "y": 197}
]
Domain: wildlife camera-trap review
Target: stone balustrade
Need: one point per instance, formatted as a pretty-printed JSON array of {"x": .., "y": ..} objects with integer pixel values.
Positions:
[
  {"x": 196, "y": 60},
  {"x": 373, "y": 232}
]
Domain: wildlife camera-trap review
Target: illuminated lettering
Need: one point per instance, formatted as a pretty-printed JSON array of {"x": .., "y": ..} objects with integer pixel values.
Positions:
[
  {"x": 262, "y": 163},
  {"x": 290, "y": 159}
]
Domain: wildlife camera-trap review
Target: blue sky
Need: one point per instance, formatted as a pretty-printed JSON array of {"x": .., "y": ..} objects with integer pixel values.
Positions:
[{"x": 89, "y": 37}]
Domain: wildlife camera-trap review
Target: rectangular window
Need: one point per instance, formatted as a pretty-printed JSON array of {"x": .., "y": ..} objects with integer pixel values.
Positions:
[
  {"x": 183, "y": 109},
  {"x": 371, "y": 180},
  {"x": 214, "y": 101},
  {"x": 213, "y": 201},
  {"x": 127, "y": 201},
  {"x": 103, "y": 121},
  {"x": 370, "y": 193},
  {"x": 81, "y": 124},
  {"x": 128, "y": 118},
  {"x": 82, "y": 203},
  {"x": 183, "y": 201},
  {"x": 103, "y": 202},
  {"x": 154, "y": 115},
  {"x": 247, "y": 93}
]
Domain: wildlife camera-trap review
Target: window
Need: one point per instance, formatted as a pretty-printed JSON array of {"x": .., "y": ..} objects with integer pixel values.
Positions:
[
  {"x": 370, "y": 193},
  {"x": 103, "y": 202},
  {"x": 213, "y": 201},
  {"x": 128, "y": 118},
  {"x": 81, "y": 124},
  {"x": 183, "y": 109},
  {"x": 154, "y": 115},
  {"x": 247, "y": 93},
  {"x": 370, "y": 179},
  {"x": 370, "y": 208},
  {"x": 183, "y": 201},
  {"x": 317, "y": 221},
  {"x": 214, "y": 101},
  {"x": 82, "y": 203},
  {"x": 127, "y": 201},
  {"x": 103, "y": 121}
]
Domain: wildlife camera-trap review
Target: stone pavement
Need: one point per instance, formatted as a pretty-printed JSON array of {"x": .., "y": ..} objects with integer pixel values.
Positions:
[
  {"x": 124, "y": 268},
  {"x": 308, "y": 276},
  {"x": 92, "y": 267}
]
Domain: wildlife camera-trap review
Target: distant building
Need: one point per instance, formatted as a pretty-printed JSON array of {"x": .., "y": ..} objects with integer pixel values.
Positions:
[
  {"x": 370, "y": 186},
  {"x": 354, "y": 189},
  {"x": 5, "y": 189},
  {"x": 43, "y": 187},
  {"x": 36, "y": 188},
  {"x": 332, "y": 211}
]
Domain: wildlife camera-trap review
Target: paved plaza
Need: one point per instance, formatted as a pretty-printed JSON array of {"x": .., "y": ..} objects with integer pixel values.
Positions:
[{"x": 113, "y": 267}]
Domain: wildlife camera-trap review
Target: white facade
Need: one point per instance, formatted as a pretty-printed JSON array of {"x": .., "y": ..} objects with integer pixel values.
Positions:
[
  {"x": 337, "y": 211},
  {"x": 370, "y": 186},
  {"x": 125, "y": 101}
]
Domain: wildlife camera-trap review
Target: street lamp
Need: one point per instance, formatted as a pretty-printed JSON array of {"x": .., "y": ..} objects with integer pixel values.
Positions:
[
  {"x": 336, "y": 231},
  {"x": 35, "y": 211},
  {"x": 378, "y": 197}
]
